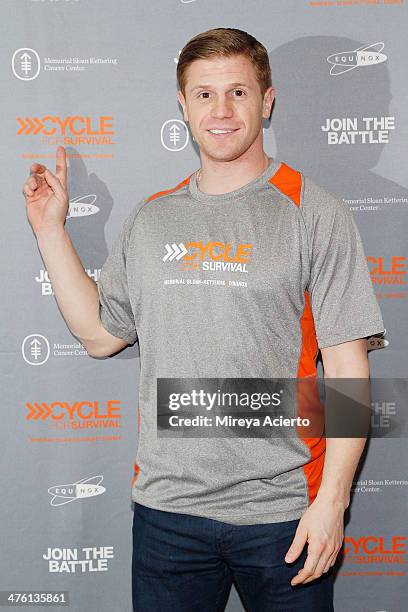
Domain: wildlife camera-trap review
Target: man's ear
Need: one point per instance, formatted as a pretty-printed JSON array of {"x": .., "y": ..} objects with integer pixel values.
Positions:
[
  {"x": 267, "y": 102},
  {"x": 182, "y": 101}
]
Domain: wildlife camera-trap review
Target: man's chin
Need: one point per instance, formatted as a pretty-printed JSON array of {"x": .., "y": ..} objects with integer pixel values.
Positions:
[{"x": 222, "y": 153}]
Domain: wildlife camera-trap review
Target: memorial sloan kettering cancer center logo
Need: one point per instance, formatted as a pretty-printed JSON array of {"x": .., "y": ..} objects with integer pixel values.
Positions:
[{"x": 212, "y": 255}]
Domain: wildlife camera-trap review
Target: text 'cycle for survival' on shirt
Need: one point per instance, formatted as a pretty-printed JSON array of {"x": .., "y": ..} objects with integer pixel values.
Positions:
[{"x": 250, "y": 283}]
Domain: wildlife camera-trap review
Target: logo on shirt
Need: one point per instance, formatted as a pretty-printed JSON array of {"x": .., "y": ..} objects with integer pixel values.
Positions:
[
  {"x": 212, "y": 255},
  {"x": 174, "y": 251}
]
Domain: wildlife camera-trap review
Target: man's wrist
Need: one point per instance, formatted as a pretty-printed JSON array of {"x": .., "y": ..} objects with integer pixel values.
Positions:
[
  {"x": 337, "y": 495},
  {"x": 50, "y": 232}
]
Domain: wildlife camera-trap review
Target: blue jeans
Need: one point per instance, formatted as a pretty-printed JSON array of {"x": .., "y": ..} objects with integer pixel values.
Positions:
[{"x": 184, "y": 563}]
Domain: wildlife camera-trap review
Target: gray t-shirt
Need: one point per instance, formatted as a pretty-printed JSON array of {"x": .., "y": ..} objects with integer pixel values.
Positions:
[{"x": 277, "y": 270}]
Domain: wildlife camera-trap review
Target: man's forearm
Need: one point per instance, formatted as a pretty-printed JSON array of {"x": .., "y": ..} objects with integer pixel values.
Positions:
[
  {"x": 343, "y": 454},
  {"x": 76, "y": 293},
  {"x": 340, "y": 464}
]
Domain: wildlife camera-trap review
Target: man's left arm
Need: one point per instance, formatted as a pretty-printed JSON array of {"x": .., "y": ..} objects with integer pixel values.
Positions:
[{"x": 322, "y": 525}]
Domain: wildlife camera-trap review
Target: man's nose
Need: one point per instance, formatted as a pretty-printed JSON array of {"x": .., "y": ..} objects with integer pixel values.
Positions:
[{"x": 221, "y": 107}]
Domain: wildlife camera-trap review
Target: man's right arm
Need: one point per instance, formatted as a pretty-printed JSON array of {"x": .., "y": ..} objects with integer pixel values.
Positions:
[{"x": 76, "y": 293}]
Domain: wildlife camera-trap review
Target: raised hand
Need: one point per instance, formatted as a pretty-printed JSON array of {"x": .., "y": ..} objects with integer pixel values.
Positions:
[{"x": 46, "y": 194}]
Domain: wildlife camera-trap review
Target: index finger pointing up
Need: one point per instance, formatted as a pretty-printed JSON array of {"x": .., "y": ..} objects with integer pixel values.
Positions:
[{"x": 61, "y": 166}]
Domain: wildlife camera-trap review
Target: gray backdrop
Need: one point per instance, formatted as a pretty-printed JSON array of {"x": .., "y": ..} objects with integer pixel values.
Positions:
[{"x": 99, "y": 78}]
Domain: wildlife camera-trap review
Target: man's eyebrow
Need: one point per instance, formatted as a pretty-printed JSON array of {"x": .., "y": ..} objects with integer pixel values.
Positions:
[{"x": 229, "y": 85}]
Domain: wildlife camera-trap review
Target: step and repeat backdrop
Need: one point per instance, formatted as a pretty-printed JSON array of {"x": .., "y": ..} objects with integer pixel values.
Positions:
[{"x": 99, "y": 78}]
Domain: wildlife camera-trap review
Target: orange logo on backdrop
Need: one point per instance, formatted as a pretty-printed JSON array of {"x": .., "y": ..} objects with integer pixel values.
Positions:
[
  {"x": 383, "y": 274},
  {"x": 373, "y": 549},
  {"x": 73, "y": 130},
  {"x": 387, "y": 273},
  {"x": 76, "y": 415}
]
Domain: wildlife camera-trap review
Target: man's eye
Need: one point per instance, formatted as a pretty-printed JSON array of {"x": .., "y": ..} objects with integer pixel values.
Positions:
[{"x": 240, "y": 96}]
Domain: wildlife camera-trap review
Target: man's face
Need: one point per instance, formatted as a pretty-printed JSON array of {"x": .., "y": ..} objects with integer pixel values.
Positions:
[{"x": 223, "y": 93}]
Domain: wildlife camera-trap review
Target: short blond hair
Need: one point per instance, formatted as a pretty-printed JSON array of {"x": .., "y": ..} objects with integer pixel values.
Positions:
[{"x": 225, "y": 42}]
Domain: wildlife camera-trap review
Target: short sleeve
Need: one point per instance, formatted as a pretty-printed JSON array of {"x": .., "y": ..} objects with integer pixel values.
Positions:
[
  {"x": 115, "y": 309},
  {"x": 343, "y": 301}
]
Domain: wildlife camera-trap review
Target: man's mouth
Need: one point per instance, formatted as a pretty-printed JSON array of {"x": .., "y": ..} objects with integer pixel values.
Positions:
[{"x": 222, "y": 133}]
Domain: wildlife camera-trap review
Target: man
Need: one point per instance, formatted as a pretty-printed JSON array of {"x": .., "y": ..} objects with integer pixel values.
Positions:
[{"x": 246, "y": 268}]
